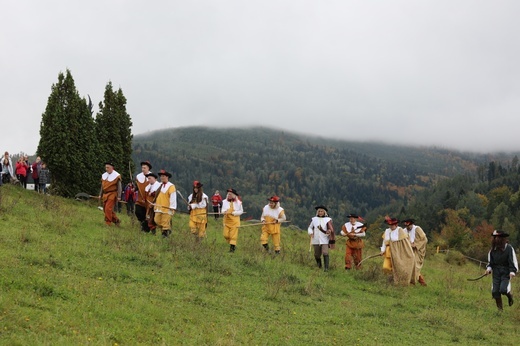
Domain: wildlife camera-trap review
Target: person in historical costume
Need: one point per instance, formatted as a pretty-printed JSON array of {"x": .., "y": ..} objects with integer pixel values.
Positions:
[
  {"x": 418, "y": 240},
  {"x": 272, "y": 216},
  {"x": 165, "y": 203},
  {"x": 231, "y": 209},
  {"x": 110, "y": 193},
  {"x": 216, "y": 202},
  {"x": 141, "y": 204},
  {"x": 354, "y": 231},
  {"x": 503, "y": 263},
  {"x": 398, "y": 253},
  {"x": 150, "y": 194},
  {"x": 198, "y": 207},
  {"x": 322, "y": 235}
]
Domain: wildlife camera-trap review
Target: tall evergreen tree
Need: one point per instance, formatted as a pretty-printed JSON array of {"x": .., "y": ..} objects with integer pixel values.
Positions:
[
  {"x": 113, "y": 128},
  {"x": 67, "y": 140}
]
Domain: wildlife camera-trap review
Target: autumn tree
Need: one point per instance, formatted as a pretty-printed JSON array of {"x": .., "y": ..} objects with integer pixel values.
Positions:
[{"x": 67, "y": 139}]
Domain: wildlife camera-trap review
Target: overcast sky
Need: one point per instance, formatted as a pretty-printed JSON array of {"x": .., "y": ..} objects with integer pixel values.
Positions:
[{"x": 444, "y": 73}]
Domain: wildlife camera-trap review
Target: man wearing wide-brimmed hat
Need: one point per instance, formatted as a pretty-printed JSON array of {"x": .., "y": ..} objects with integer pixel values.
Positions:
[
  {"x": 110, "y": 193},
  {"x": 165, "y": 203},
  {"x": 504, "y": 266},
  {"x": 232, "y": 209},
  {"x": 321, "y": 231},
  {"x": 418, "y": 240},
  {"x": 198, "y": 207},
  {"x": 354, "y": 231},
  {"x": 272, "y": 215},
  {"x": 141, "y": 204},
  {"x": 398, "y": 252}
]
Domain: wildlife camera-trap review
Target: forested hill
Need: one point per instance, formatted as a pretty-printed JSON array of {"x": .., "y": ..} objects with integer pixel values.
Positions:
[{"x": 348, "y": 177}]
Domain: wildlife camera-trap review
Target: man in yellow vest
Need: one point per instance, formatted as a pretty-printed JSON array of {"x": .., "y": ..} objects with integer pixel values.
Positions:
[{"x": 165, "y": 203}]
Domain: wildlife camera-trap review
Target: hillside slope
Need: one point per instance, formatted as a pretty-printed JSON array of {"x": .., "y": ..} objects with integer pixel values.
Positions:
[{"x": 67, "y": 279}]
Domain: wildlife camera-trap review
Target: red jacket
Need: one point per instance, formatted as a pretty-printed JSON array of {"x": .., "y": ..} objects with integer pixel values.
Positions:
[
  {"x": 35, "y": 173},
  {"x": 216, "y": 200},
  {"x": 21, "y": 168},
  {"x": 130, "y": 194}
]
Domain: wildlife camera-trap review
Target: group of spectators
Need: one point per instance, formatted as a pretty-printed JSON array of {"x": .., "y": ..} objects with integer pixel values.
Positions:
[{"x": 21, "y": 171}]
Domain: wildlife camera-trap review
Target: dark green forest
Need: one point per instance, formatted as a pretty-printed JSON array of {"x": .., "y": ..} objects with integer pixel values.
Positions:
[{"x": 438, "y": 187}]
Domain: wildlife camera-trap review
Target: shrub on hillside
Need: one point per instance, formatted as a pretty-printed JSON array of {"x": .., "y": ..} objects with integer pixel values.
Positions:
[{"x": 454, "y": 257}]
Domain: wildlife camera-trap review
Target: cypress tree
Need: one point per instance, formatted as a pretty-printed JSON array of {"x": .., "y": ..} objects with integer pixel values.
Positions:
[
  {"x": 67, "y": 140},
  {"x": 114, "y": 134}
]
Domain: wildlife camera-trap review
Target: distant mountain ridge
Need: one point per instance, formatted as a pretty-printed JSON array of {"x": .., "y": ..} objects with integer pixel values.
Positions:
[{"x": 348, "y": 177}]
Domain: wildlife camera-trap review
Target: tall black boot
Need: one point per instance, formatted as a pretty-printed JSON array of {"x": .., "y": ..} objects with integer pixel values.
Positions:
[
  {"x": 266, "y": 247},
  {"x": 510, "y": 298},
  {"x": 318, "y": 261},
  {"x": 326, "y": 260},
  {"x": 499, "y": 303}
]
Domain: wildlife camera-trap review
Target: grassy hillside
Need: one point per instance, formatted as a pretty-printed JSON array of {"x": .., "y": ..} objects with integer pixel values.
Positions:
[{"x": 66, "y": 279}]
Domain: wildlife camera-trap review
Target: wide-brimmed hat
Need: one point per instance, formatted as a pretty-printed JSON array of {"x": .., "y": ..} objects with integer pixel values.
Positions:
[
  {"x": 408, "y": 221},
  {"x": 233, "y": 191},
  {"x": 163, "y": 172},
  {"x": 197, "y": 183},
  {"x": 499, "y": 234},
  {"x": 274, "y": 199},
  {"x": 151, "y": 175},
  {"x": 321, "y": 207},
  {"x": 355, "y": 216},
  {"x": 146, "y": 163},
  {"x": 110, "y": 163},
  {"x": 391, "y": 221}
]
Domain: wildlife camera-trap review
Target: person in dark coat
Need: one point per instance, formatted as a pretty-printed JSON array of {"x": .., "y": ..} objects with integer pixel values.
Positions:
[{"x": 504, "y": 266}]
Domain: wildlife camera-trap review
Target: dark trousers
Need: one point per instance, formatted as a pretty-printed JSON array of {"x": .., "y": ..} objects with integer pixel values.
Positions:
[
  {"x": 36, "y": 184},
  {"x": 216, "y": 210},
  {"x": 501, "y": 281},
  {"x": 140, "y": 214},
  {"x": 22, "y": 179}
]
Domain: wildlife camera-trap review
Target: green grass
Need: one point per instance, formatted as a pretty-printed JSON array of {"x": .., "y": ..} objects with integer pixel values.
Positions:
[{"x": 67, "y": 279}]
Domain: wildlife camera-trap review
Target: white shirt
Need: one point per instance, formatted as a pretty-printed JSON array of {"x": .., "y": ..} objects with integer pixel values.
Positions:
[
  {"x": 203, "y": 203},
  {"x": 390, "y": 236},
  {"x": 355, "y": 228},
  {"x": 319, "y": 238}
]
